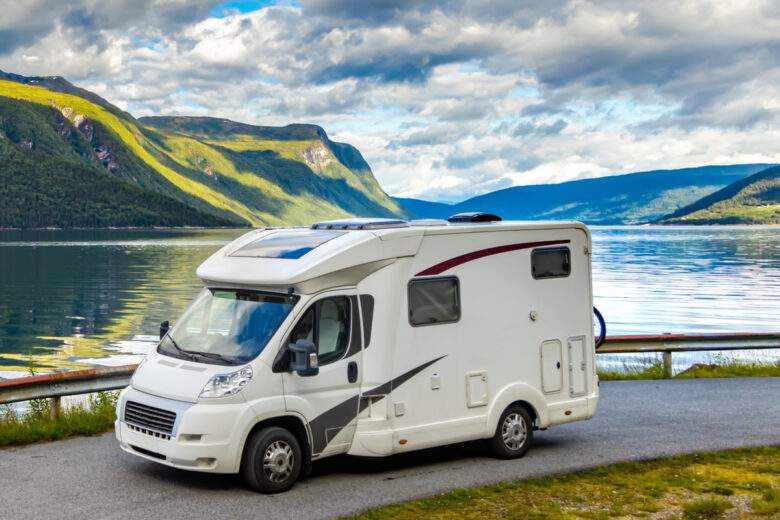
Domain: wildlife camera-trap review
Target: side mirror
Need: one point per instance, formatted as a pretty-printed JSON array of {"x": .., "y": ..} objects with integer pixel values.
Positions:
[
  {"x": 304, "y": 358},
  {"x": 165, "y": 326}
]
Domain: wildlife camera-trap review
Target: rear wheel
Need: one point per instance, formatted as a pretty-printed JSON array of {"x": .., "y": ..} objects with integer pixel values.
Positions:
[
  {"x": 272, "y": 460},
  {"x": 514, "y": 433}
]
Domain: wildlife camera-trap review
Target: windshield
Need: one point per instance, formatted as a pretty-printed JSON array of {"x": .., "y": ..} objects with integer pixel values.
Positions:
[{"x": 227, "y": 326}]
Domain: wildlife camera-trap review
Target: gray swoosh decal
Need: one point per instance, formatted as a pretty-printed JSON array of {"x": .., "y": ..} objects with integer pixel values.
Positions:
[
  {"x": 398, "y": 381},
  {"x": 335, "y": 419}
]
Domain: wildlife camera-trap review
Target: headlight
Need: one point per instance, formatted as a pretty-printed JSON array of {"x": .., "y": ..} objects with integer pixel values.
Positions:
[{"x": 223, "y": 385}]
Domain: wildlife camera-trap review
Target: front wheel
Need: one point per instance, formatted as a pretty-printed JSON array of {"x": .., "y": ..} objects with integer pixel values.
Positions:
[
  {"x": 272, "y": 460},
  {"x": 514, "y": 433}
]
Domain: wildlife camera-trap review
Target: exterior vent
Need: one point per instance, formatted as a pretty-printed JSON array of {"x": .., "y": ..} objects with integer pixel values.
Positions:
[
  {"x": 149, "y": 418},
  {"x": 476, "y": 216},
  {"x": 361, "y": 223}
]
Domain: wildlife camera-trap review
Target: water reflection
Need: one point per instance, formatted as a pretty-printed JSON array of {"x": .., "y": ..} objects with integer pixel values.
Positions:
[
  {"x": 69, "y": 296},
  {"x": 70, "y": 299},
  {"x": 653, "y": 280}
]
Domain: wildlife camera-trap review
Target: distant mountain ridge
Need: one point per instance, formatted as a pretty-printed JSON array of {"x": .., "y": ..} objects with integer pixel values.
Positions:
[
  {"x": 205, "y": 171},
  {"x": 632, "y": 198},
  {"x": 72, "y": 159},
  {"x": 752, "y": 200}
]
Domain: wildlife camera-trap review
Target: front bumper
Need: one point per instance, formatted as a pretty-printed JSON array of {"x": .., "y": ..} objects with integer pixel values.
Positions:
[{"x": 205, "y": 437}]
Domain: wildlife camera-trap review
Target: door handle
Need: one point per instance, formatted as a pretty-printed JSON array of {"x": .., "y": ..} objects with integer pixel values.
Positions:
[{"x": 352, "y": 372}]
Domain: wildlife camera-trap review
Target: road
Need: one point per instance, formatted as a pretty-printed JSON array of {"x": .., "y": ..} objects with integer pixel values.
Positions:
[{"x": 89, "y": 478}]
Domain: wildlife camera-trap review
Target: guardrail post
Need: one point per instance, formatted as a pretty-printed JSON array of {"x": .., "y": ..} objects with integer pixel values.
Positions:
[
  {"x": 668, "y": 364},
  {"x": 56, "y": 404}
]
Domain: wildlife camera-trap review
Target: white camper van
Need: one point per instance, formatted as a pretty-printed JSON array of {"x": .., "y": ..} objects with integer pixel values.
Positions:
[{"x": 369, "y": 337}]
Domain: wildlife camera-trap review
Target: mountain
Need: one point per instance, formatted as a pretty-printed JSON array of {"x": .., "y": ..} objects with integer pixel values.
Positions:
[
  {"x": 76, "y": 160},
  {"x": 424, "y": 208},
  {"x": 752, "y": 200},
  {"x": 617, "y": 199},
  {"x": 52, "y": 176}
]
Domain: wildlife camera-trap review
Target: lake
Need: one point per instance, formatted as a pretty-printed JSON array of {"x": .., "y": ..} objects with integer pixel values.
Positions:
[{"x": 71, "y": 299}]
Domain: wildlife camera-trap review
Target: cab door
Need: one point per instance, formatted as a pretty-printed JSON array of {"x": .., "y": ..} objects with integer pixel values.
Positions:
[{"x": 328, "y": 400}]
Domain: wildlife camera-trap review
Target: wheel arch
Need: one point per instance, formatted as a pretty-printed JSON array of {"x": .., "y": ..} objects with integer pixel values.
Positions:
[
  {"x": 520, "y": 394},
  {"x": 293, "y": 423}
]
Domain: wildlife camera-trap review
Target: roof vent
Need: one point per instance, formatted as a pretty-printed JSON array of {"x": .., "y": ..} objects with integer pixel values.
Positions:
[
  {"x": 361, "y": 223},
  {"x": 476, "y": 216}
]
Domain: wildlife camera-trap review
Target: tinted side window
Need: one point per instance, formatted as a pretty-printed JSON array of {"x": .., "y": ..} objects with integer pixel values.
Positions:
[
  {"x": 551, "y": 262},
  {"x": 433, "y": 301},
  {"x": 326, "y": 324}
]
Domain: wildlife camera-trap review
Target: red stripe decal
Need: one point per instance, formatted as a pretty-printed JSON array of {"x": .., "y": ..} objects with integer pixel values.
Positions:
[{"x": 474, "y": 255}]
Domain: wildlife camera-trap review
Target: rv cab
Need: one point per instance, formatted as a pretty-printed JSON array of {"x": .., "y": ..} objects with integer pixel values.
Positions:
[{"x": 369, "y": 337}]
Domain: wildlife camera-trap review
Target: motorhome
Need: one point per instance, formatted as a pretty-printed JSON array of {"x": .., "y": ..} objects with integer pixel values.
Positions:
[{"x": 369, "y": 337}]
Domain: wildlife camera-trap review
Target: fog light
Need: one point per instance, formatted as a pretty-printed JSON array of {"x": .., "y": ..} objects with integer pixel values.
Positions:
[
  {"x": 206, "y": 462},
  {"x": 190, "y": 437}
]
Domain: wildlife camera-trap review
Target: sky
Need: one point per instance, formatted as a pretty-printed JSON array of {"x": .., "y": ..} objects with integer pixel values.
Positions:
[{"x": 446, "y": 99}]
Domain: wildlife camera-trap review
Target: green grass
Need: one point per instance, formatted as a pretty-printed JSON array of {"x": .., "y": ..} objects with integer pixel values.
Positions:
[
  {"x": 706, "y": 509},
  {"x": 36, "y": 425},
  {"x": 742, "y": 483},
  {"x": 652, "y": 371},
  {"x": 723, "y": 368}
]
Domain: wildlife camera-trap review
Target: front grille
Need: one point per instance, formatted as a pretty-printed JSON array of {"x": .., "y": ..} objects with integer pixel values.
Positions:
[
  {"x": 151, "y": 433},
  {"x": 149, "y": 417}
]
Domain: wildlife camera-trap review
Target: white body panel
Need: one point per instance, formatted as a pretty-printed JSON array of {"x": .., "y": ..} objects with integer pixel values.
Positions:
[{"x": 518, "y": 338}]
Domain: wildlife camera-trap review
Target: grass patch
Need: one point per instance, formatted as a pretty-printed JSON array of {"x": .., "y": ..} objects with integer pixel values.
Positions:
[
  {"x": 706, "y": 509},
  {"x": 652, "y": 371},
  {"x": 768, "y": 504},
  {"x": 731, "y": 369},
  {"x": 36, "y": 425},
  {"x": 723, "y": 368},
  {"x": 743, "y": 482}
]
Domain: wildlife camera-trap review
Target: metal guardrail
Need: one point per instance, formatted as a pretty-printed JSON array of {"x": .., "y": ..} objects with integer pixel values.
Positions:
[
  {"x": 669, "y": 343},
  {"x": 58, "y": 384}
]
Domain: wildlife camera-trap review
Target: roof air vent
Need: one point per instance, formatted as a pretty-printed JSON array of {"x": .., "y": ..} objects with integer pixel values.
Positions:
[{"x": 476, "y": 216}]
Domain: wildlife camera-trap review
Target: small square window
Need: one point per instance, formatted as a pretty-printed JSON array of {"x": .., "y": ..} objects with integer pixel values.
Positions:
[
  {"x": 433, "y": 301},
  {"x": 553, "y": 262}
]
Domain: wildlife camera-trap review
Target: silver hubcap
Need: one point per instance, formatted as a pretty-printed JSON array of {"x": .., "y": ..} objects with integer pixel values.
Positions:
[
  {"x": 513, "y": 431},
  {"x": 278, "y": 461}
]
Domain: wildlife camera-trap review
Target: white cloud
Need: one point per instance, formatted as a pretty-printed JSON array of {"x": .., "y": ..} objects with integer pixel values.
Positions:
[{"x": 445, "y": 99}]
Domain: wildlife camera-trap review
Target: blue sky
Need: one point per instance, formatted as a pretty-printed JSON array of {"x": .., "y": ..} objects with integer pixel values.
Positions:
[
  {"x": 241, "y": 7},
  {"x": 446, "y": 99}
]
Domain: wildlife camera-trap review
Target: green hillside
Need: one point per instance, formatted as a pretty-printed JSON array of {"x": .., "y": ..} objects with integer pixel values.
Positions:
[
  {"x": 195, "y": 171},
  {"x": 752, "y": 200},
  {"x": 52, "y": 177}
]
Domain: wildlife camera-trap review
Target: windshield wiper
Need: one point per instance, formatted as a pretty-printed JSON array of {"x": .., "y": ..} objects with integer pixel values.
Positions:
[
  {"x": 193, "y": 355},
  {"x": 214, "y": 355},
  {"x": 186, "y": 353}
]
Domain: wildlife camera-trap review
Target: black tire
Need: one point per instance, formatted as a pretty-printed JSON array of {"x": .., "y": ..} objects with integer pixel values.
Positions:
[
  {"x": 284, "y": 455},
  {"x": 514, "y": 433}
]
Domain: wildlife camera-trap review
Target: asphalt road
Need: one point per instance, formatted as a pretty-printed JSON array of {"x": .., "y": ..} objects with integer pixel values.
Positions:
[{"x": 91, "y": 478}]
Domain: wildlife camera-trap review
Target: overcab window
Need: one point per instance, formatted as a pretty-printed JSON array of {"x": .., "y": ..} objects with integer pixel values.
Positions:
[
  {"x": 433, "y": 301},
  {"x": 554, "y": 262}
]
